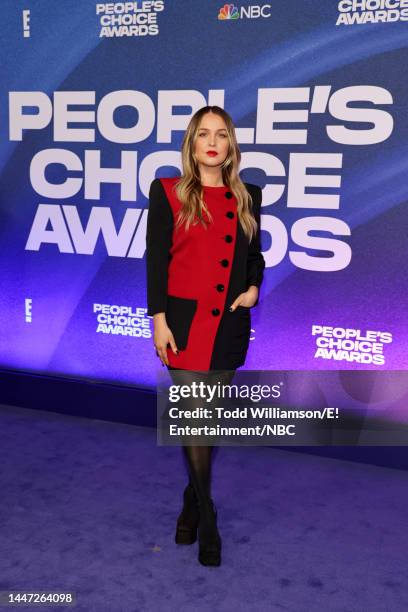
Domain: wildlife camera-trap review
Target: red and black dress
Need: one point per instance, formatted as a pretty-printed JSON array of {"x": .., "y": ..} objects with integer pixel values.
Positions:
[{"x": 195, "y": 275}]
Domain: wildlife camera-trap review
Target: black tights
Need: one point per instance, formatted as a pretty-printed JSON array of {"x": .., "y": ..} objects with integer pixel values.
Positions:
[{"x": 199, "y": 458}]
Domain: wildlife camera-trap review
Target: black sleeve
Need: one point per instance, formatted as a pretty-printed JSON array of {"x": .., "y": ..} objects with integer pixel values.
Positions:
[
  {"x": 159, "y": 234},
  {"x": 256, "y": 261}
]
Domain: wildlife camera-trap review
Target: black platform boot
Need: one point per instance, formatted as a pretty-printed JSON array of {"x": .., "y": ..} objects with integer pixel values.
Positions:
[
  {"x": 187, "y": 522},
  {"x": 209, "y": 539}
]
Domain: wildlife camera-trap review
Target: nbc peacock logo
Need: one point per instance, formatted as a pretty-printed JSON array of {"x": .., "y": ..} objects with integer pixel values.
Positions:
[{"x": 228, "y": 11}]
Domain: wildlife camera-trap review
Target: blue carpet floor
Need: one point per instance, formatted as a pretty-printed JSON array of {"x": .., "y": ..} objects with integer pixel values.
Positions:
[{"x": 90, "y": 507}]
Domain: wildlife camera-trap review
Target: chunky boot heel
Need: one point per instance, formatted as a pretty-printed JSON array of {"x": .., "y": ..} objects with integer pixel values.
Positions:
[
  {"x": 209, "y": 540},
  {"x": 187, "y": 522}
]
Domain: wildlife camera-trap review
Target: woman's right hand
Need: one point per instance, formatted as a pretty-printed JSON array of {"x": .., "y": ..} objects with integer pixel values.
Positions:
[{"x": 162, "y": 337}]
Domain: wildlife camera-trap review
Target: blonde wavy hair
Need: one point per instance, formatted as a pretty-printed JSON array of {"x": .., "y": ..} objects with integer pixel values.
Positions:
[{"x": 188, "y": 188}]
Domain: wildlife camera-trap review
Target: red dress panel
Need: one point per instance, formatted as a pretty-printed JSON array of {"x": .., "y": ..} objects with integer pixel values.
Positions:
[{"x": 195, "y": 275}]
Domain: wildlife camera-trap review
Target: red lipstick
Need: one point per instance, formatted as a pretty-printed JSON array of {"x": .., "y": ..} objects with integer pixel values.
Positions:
[{"x": 212, "y": 153}]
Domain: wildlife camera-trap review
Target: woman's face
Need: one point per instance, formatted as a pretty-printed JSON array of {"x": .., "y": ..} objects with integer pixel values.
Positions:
[{"x": 212, "y": 136}]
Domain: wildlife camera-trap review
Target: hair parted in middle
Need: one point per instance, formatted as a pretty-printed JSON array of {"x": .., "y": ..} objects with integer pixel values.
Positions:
[{"x": 188, "y": 188}]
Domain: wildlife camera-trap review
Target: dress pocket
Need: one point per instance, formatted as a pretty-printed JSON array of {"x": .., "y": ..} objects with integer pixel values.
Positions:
[
  {"x": 243, "y": 309},
  {"x": 240, "y": 322},
  {"x": 179, "y": 316}
]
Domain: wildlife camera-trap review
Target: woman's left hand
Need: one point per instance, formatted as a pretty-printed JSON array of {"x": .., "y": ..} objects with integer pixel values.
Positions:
[{"x": 248, "y": 298}]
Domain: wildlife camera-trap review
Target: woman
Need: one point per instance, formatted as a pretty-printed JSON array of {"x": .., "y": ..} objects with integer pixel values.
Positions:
[{"x": 204, "y": 270}]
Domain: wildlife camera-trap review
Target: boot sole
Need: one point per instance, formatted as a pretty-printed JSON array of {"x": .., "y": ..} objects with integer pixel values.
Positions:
[{"x": 214, "y": 561}]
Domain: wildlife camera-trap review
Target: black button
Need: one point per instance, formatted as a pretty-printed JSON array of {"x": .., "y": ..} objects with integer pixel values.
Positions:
[
  {"x": 220, "y": 287},
  {"x": 224, "y": 262},
  {"x": 228, "y": 195},
  {"x": 215, "y": 312},
  {"x": 228, "y": 238},
  {"x": 230, "y": 214}
]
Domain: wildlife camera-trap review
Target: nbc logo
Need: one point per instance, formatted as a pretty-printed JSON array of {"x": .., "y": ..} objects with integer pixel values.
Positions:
[
  {"x": 228, "y": 11},
  {"x": 254, "y": 11}
]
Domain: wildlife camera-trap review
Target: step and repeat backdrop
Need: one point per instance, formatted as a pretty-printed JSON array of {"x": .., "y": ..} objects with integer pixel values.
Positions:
[{"x": 94, "y": 101}]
